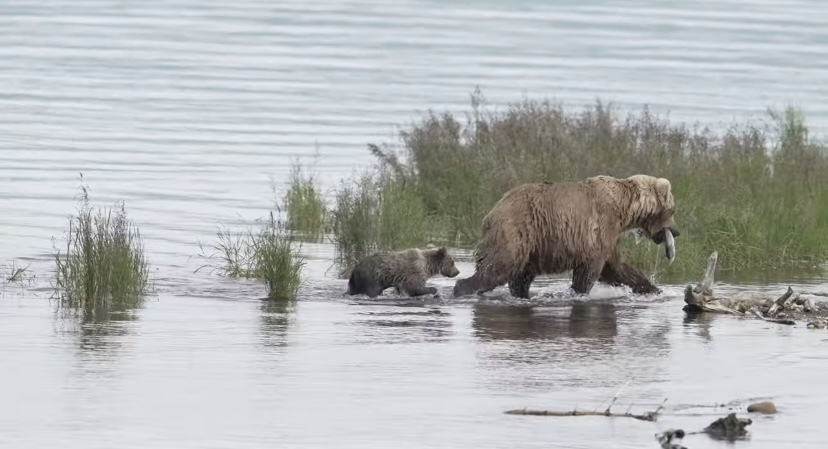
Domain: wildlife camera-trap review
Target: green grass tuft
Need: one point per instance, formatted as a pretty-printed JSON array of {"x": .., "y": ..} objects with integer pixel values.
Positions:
[
  {"x": 277, "y": 262},
  {"x": 306, "y": 209},
  {"x": 355, "y": 221},
  {"x": 103, "y": 269},
  {"x": 270, "y": 255},
  {"x": 236, "y": 253}
]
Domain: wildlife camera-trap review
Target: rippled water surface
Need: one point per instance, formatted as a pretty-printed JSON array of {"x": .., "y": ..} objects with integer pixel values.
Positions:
[{"x": 187, "y": 110}]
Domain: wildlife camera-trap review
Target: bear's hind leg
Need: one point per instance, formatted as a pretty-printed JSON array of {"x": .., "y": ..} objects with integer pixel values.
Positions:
[
  {"x": 584, "y": 277},
  {"x": 373, "y": 290},
  {"x": 519, "y": 286}
]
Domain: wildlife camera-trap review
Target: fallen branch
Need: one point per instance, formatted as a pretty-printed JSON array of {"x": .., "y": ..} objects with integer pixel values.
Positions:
[
  {"x": 763, "y": 305},
  {"x": 774, "y": 320},
  {"x": 648, "y": 416}
]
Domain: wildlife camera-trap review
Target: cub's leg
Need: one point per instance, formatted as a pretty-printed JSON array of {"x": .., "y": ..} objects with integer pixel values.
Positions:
[{"x": 417, "y": 289}]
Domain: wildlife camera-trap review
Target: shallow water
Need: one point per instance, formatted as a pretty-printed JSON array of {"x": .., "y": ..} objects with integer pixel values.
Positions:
[
  {"x": 220, "y": 368},
  {"x": 185, "y": 110}
]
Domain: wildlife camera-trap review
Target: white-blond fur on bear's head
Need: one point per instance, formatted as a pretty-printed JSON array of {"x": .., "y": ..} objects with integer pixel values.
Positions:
[
  {"x": 663, "y": 195},
  {"x": 653, "y": 218},
  {"x": 650, "y": 207}
]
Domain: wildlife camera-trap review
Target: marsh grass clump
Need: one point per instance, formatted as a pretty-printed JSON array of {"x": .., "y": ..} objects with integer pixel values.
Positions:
[
  {"x": 236, "y": 252},
  {"x": 306, "y": 209},
  {"x": 377, "y": 210},
  {"x": 758, "y": 194},
  {"x": 276, "y": 260},
  {"x": 103, "y": 269},
  {"x": 270, "y": 255},
  {"x": 355, "y": 220}
]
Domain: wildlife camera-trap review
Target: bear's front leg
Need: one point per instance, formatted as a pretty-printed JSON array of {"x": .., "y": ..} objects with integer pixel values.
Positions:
[
  {"x": 413, "y": 289},
  {"x": 616, "y": 272}
]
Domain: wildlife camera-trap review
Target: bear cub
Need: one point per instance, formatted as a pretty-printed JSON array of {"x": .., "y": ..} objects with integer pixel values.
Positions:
[{"x": 407, "y": 271}]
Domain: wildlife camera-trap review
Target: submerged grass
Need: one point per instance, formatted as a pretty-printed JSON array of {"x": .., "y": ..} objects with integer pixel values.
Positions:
[
  {"x": 19, "y": 275},
  {"x": 270, "y": 255},
  {"x": 758, "y": 194},
  {"x": 103, "y": 269}
]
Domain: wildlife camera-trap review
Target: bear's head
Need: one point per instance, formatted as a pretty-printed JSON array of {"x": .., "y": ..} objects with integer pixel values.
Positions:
[
  {"x": 441, "y": 260},
  {"x": 652, "y": 212}
]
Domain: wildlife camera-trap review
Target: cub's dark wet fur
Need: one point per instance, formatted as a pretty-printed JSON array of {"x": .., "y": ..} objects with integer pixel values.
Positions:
[{"x": 407, "y": 271}]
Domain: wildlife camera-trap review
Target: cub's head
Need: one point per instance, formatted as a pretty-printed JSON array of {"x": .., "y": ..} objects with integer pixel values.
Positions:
[
  {"x": 440, "y": 261},
  {"x": 652, "y": 212}
]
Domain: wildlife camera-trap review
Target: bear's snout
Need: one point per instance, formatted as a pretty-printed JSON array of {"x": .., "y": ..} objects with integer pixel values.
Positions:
[{"x": 452, "y": 272}]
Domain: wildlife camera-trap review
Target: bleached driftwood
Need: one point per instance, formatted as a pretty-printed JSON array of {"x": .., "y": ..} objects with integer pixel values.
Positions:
[
  {"x": 648, "y": 416},
  {"x": 763, "y": 305}
]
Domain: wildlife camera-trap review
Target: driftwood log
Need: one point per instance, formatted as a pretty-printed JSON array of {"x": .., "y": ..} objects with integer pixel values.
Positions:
[
  {"x": 647, "y": 416},
  {"x": 784, "y": 309}
]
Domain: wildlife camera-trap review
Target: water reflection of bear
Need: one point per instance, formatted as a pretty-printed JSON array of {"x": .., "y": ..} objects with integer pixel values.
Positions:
[
  {"x": 594, "y": 320},
  {"x": 406, "y": 325}
]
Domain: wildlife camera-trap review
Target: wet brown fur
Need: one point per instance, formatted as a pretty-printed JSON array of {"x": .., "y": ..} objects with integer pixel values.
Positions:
[
  {"x": 550, "y": 228},
  {"x": 407, "y": 271}
]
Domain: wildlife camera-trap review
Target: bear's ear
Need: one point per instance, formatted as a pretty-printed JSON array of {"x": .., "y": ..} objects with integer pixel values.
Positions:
[
  {"x": 441, "y": 251},
  {"x": 663, "y": 187}
]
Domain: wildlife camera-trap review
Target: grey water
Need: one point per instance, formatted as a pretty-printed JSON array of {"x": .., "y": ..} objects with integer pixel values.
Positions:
[{"x": 189, "y": 111}]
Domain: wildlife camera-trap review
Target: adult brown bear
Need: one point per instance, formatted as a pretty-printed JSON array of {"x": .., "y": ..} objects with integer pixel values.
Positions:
[{"x": 549, "y": 228}]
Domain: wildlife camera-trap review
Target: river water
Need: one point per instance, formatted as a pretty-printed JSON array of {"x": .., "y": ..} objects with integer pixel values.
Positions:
[{"x": 187, "y": 110}]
